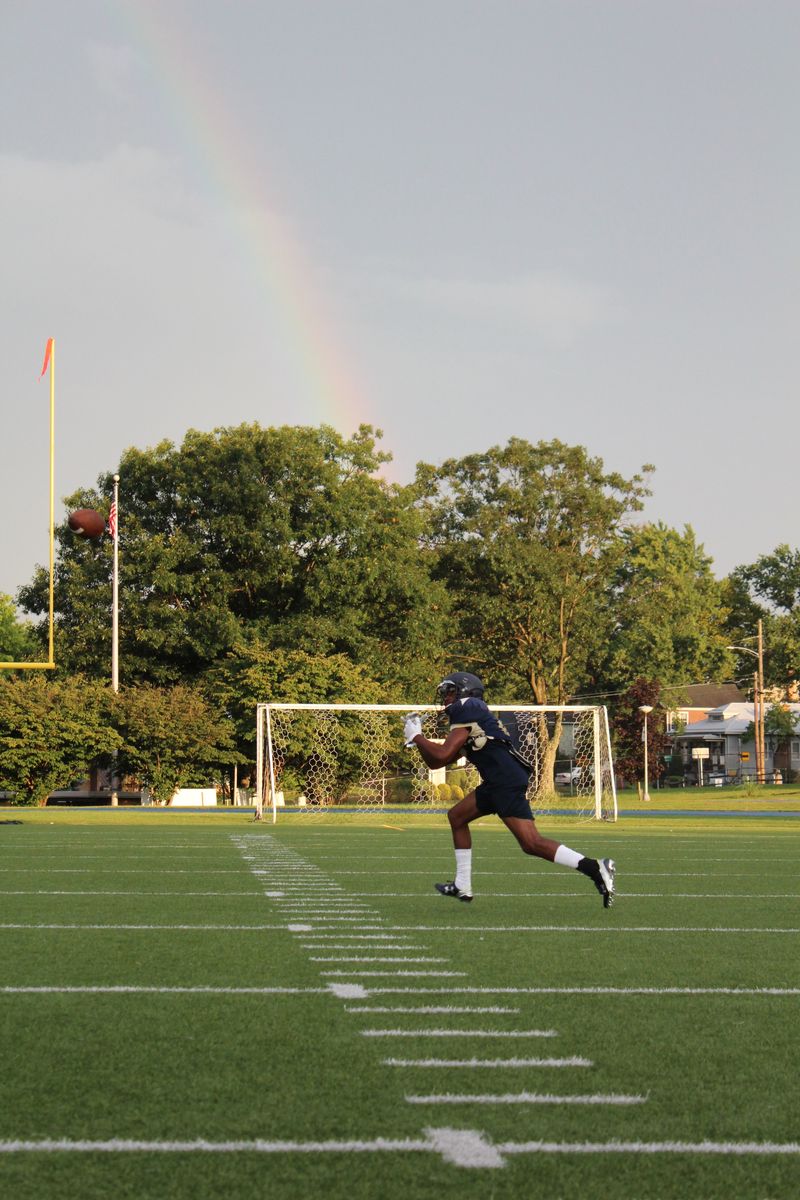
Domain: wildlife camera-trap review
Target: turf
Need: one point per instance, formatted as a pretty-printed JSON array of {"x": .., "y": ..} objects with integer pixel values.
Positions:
[{"x": 706, "y": 922}]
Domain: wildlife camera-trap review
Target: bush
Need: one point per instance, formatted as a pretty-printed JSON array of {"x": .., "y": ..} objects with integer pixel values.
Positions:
[
  {"x": 456, "y": 792},
  {"x": 458, "y": 778},
  {"x": 445, "y": 793}
]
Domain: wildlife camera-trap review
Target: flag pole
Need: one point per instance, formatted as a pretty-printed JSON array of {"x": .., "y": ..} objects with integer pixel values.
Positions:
[
  {"x": 52, "y": 347},
  {"x": 115, "y": 620}
]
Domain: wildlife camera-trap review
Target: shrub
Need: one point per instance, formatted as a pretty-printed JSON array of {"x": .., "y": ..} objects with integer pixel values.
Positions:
[{"x": 445, "y": 793}]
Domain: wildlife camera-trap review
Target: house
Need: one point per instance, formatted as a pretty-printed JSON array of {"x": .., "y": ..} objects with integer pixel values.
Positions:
[
  {"x": 697, "y": 700},
  {"x": 723, "y": 732}
]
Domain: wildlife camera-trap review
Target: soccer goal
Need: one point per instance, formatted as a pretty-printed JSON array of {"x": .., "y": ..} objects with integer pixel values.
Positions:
[{"x": 350, "y": 758}]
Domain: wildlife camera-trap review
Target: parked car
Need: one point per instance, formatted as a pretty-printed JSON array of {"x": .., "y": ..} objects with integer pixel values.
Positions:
[{"x": 566, "y": 778}]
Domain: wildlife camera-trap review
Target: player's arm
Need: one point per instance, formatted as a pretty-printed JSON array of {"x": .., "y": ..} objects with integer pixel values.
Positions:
[{"x": 440, "y": 754}]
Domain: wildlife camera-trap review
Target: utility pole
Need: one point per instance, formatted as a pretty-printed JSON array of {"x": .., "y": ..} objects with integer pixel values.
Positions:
[{"x": 762, "y": 739}]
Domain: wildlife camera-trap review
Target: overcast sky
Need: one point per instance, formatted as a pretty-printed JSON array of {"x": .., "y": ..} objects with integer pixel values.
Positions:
[{"x": 456, "y": 221}]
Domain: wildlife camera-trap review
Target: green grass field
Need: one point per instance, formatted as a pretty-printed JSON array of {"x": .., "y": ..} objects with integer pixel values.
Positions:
[{"x": 198, "y": 1006}]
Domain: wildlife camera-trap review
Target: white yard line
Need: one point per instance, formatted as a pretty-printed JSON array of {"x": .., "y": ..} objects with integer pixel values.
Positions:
[
  {"x": 141, "y": 895},
  {"x": 593, "y": 929},
  {"x": 460, "y": 1033},
  {"x": 150, "y": 928},
  {"x": 125, "y": 989},
  {"x": 467, "y": 1148},
  {"x": 398, "y": 974},
  {"x": 581, "y": 991},
  {"x": 609, "y": 1100},
  {"x": 429, "y": 1009},
  {"x": 343, "y": 958},
  {"x": 514, "y": 1063}
]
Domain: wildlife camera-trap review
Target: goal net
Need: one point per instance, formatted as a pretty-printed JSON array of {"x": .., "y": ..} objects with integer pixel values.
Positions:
[{"x": 350, "y": 758}]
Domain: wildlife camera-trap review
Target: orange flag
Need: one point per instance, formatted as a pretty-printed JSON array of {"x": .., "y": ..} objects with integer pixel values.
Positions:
[{"x": 47, "y": 351}]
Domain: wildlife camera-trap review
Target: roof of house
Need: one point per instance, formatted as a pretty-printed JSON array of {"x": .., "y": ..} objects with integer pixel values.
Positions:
[
  {"x": 727, "y": 719},
  {"x": 706, "y": 695}
]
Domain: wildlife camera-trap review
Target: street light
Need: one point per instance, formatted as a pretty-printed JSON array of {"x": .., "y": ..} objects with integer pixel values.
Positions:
[
  {"x": 645, "y": 708},
  {"x": 758, "y": 702}
]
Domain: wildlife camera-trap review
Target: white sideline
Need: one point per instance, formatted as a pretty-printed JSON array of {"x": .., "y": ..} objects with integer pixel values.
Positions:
[{"x": 344, "y": 958}]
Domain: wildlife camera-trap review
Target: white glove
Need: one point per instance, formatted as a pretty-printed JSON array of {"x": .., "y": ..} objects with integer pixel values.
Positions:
[{"x": 411, "y": 727}]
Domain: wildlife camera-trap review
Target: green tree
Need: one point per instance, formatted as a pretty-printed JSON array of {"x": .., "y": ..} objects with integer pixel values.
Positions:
[
  {"x": 287, "y": 534},
  {"x": 172, "y": 738},
  {"x": 256, "y": 673},
  {"x": 628, "y": 730},
  {"x": 17, "y": 641},
  {"x": 528, "y": 538},
  {"x": 767, "y": 590},
  {"x": 669, "y": 615},
  {"x": 51, "y": 731}
]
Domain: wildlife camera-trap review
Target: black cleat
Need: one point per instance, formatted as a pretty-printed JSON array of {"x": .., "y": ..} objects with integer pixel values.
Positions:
[
  {"x": 605, "y": 882},
  {"x": 450, "y": 889}
]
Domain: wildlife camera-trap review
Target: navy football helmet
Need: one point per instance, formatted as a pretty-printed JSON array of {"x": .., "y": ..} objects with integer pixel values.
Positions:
[{"x": 463, "y": 683}]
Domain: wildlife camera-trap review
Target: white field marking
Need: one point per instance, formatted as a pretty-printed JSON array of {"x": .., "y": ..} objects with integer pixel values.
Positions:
[
  {"x": 710, "y": 895},
  {"x": 166, "y": 927},
  {"x": 294, "y": 928},
  {"x": 582, "y": 894},
  {"x": 398, "y": 974},
  {"x": 511, "y": 1063},
  {"x": 344, "y": 946},
  {"x": 428, "y": 1009},
  {"x": 202, "y": 1146},
  {"x": 362, "y": 922},
  {"x": 464, "y": 1148},
  {"x": 593, "y": 929},
  {"x": 142, "y": 895},
  {"x": 348, "y": 991},
  {"x": 123, "y": 989},
  {"x": 528, "y": 1098},
  {"x": 735, "y": 1149},
  {"x": 341, "y": 958},
  {"x": 364, "y": 937},
  {"x": 580, "y": 991},
  {"x": 460, "y": 1033},
  {"x": 166, "y": 870},
  {"x": 335, "y": 907}
]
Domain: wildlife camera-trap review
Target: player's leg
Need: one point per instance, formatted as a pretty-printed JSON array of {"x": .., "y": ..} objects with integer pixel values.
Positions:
[
  {"x": 600, "y": 872},
  {"x": 460, "y": 816}
]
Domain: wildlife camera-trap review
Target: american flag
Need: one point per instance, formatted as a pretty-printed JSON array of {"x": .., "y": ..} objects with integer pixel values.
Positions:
[{"x": 112, "y": 520}]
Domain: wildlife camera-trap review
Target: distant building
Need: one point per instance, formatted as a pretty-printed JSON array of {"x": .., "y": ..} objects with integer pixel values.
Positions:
[
  {"x": 697, "y": 700},
  {"x": 731, "y": 752}
]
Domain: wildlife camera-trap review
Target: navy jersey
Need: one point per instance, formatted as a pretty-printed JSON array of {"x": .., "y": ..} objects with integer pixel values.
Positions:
[{"x": 488, "y": 746}]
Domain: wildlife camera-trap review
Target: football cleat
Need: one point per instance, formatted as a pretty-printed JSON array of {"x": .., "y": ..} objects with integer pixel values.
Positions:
[
  {"x": 450, "y": 889},
  {"x": 605, "y": 884}
]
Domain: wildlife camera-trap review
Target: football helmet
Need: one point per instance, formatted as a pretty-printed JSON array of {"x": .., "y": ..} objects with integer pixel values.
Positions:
[{"x": 463, "y": 683}]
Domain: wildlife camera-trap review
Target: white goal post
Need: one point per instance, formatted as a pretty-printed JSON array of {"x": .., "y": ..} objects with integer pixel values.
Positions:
[{"x": 346, "y": 758}]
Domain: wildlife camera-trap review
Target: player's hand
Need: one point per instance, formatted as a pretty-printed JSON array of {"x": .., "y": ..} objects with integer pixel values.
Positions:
[{"x": 411, "y": 727}]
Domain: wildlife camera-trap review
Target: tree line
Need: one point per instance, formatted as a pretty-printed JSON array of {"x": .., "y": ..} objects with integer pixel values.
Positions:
[{"x": 263, "y": 564}]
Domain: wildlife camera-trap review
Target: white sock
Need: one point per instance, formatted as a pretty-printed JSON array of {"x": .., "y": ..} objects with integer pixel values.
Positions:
[
  {"x": 463, "y": 879},
  {"x": 567, "y": 858}
]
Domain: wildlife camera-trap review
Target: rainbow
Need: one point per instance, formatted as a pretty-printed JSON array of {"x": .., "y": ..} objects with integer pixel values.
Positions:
[{"x": 265, "y": 238}]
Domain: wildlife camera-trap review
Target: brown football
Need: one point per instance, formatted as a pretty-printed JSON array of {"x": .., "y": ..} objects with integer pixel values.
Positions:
[{"x": 87, "y": 523}]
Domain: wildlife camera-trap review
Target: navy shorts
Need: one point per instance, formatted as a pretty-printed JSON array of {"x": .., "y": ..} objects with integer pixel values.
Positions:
[{"x": 504, "y": 801}]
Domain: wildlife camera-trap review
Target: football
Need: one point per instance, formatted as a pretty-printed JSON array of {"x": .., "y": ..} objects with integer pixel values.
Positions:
[{"x": 87, "y": 523}]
